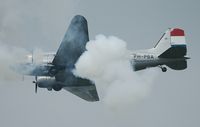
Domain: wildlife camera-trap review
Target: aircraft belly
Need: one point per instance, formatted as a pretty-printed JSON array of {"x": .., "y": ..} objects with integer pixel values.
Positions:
[{"x": 142, "y": 64}]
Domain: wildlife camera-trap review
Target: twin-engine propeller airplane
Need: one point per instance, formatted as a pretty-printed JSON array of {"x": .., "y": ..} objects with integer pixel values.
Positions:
[{"x": 55, "y": 70}]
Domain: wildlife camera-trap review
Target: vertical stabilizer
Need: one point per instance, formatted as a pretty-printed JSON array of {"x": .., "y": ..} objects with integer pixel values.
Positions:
[{"x": 172, "y": 44}]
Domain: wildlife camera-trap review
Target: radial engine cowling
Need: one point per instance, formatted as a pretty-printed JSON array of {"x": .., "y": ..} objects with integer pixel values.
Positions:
[{"x": 46, "y": 82}]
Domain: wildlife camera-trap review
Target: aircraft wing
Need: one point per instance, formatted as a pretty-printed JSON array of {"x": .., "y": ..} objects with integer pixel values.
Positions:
[
  {"x": 73, "y": 43},
  {"x": 87, "y": 93},
  {"x": 71, "y": 48}
]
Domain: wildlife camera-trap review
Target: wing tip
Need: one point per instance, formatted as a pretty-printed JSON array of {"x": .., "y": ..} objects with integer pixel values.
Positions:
[{"x": 79, "y": 18}]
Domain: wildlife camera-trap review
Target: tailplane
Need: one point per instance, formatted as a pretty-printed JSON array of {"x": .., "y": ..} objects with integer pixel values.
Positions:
[{"x": 178, "y": 65}]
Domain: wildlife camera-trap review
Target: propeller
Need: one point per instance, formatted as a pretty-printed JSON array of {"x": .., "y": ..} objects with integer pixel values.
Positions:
[
  {"x": 36, "y": 84},
  {"x": 32, "y": 56}
]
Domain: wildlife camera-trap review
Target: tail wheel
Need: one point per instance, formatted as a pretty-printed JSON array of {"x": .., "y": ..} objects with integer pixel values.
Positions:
[{"x": 164, "y": 69}]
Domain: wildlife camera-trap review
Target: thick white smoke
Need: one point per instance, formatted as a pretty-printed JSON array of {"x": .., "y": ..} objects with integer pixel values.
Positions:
[
  {"x": 107, "y": 63},
  {"x": 9, "y": 56}
]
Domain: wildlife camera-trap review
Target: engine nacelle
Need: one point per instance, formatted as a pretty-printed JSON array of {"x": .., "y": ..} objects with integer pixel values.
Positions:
[{"x": 46, "y": 82}]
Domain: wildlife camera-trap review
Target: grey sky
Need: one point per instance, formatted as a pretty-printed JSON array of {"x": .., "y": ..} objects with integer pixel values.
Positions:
[{"x": 174, "y": 99}]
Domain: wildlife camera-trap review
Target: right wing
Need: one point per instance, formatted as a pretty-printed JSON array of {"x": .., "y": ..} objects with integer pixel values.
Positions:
[{"x": 73, "y": 43}]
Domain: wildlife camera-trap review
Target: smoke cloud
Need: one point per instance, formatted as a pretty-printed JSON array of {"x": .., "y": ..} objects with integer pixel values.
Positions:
[
  {"x": 9, "y": 56},
  {"x": 107, "y": 63},
  {"x": 12, "y": 59},
  {"x": 38, "y": 23}
]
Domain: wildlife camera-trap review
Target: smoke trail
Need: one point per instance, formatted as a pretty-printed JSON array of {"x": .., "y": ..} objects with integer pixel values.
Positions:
[
  {"x": 106, "y": 62},
  {"x": 12, "y": 59},
  {"x": 9, "y": 56}
]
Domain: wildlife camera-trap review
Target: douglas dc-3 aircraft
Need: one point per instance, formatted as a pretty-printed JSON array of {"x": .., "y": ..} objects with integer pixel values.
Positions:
[{"x": 55, "y": 72}]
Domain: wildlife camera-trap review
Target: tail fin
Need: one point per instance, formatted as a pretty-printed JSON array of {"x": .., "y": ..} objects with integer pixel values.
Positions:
[{"x": 172, "y": 44}]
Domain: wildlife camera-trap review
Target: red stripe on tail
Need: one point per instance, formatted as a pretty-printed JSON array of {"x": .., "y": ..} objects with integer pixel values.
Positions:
[{"x": 177, "y": 32}]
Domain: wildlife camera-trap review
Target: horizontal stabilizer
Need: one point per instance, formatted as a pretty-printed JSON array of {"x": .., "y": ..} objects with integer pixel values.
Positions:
[{"x": 178, "y": 65}]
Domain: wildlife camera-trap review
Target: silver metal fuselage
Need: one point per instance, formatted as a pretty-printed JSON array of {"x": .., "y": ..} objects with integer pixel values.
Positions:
[{"x": 142, "y": 59}]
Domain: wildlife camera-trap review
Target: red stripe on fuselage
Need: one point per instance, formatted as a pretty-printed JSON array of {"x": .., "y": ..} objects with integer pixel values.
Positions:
[{"x": 177, "y": 32}]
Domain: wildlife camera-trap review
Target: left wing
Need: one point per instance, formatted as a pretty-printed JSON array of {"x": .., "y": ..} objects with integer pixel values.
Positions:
[{"x": 87, "y": 92}]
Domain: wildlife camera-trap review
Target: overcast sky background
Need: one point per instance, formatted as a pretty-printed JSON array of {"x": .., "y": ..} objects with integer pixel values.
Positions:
[{"x": 174, "y": 99}]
